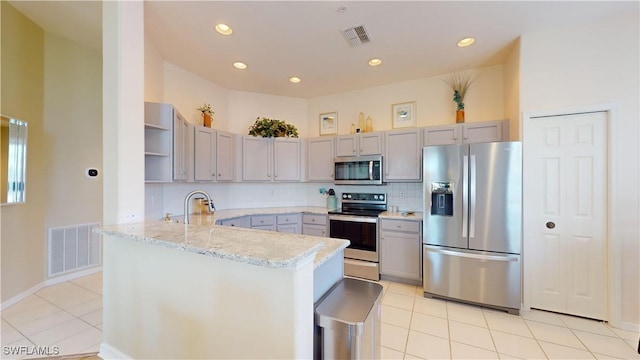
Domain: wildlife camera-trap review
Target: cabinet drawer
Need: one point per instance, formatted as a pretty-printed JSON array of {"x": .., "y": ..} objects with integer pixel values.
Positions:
[
  {"x": 288, "y": 219},
  {"x": 242, "y": 222},
  {"x": 314, "y": 219},
  {"x": 400, "y": 225},
  {"x": 260, "y": 220}
]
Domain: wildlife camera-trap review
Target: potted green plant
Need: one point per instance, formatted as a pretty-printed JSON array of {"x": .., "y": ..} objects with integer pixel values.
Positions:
[
  {"x": 266, "y": 127},
  {"x": 207, "y": 114},
  {"x": 460, "y": 82}
]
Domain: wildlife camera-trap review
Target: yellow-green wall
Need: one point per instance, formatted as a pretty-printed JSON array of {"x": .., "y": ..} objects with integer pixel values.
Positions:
[
  {"x": 55, "y": 85},
  {"x": 22, "y": 96}
]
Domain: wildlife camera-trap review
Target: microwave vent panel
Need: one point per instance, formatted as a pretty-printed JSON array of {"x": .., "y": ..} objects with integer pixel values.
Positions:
[{"x": 356, "y": 35}]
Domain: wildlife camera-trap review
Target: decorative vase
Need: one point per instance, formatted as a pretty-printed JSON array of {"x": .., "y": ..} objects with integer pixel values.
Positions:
[
  {"x": 207, "y": 120},
  {"x": 459, "y": 116}
]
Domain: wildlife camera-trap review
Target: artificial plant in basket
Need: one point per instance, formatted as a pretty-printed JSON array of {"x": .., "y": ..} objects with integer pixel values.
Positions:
[{"x": 266, "y": 127}]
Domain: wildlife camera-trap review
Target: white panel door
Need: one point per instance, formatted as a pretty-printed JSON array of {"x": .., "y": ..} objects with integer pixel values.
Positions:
[{"x": 566, "y": 213}]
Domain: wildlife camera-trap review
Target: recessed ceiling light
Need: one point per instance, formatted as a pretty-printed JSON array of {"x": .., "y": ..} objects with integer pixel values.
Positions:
[
  {"x": 224, "y": 29},
  {"x": 466, "y": 42},
  {"x": 294, "y": 79},
  {"x": 239, "y": 65},
  {"x": 375, "y": 62}
]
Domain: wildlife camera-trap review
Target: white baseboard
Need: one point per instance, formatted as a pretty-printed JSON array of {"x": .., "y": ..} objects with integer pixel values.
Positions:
[
  {"x": 72, "y": 276},
  {"x": 109, "y": 352},
  {"x": 53, "y": 281},
  {"x": 21, "y": 296}
]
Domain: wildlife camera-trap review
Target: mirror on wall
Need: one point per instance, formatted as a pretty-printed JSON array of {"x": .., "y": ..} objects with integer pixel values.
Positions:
[{"x": 13, "y": 159}]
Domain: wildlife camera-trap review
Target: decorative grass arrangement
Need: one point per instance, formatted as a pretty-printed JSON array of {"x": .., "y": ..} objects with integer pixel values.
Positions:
[
  {"x": 265, "y": 127},
  {"x": 460, "y": 82}
]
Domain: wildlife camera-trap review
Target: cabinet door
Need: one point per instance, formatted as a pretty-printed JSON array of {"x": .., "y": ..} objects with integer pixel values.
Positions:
[
  {"x": 315, "y": 230},
  {"x": 347, "y": 145},
  {"x": 291, "y": 229},
  {"x": 370, "y": 144},
  {"x": 320, "y": 159},
  {"x": 225, "y": 159},
  {"x": 402, "y": 156},
  {"x": 256, "y": 159},
  {"x": 204, "y": 154},
  {"x": 442, "y": 135},
  {"x": 180, "y": 144},
  {"x": 286, "y": 159},
  {"x": 400, "y": 254},
  {"x": 487, "y": 131},
  {"x": 242, "y": 222}
]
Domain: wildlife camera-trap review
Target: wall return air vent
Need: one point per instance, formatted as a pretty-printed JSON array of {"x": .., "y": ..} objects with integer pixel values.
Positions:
[{"x": 356, "y": 35}]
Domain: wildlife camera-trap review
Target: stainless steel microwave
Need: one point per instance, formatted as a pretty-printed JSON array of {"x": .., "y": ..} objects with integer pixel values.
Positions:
[{"x": 360, "y": 170}]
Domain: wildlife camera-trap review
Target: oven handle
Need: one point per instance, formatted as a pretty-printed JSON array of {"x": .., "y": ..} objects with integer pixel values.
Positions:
[{"x": 353, "y": 218}]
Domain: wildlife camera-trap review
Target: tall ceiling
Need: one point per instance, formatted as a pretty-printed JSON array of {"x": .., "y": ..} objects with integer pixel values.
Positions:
[{"x": 280, "y": 39}]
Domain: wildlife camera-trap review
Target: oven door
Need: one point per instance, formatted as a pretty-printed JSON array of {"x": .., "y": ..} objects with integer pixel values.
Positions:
[{"x": 361, "y": 231}]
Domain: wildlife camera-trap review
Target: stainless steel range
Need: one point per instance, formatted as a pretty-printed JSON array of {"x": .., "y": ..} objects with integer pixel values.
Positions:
[{"x": 357, "y": 221}]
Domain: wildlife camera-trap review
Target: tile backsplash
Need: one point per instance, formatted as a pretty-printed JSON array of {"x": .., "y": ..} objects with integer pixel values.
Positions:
[{"x": 169, "y": 198}]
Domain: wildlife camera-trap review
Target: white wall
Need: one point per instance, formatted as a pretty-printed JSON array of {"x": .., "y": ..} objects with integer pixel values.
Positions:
[
  {"x": 585, "y": 66},
  {"x": 245, "y": 107},
  {"x": 512, "y": 91},
  {"x": 153, "y": 72},
  {"x": 434, "y": 102},
  {"x": 187, "y": 91}
]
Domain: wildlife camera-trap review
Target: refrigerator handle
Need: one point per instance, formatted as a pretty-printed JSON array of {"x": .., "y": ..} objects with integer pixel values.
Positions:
[
  {"x": 465, "y": 195},
  {"x": 472, "y": 198},
  {"x": 506, "y": 257}
]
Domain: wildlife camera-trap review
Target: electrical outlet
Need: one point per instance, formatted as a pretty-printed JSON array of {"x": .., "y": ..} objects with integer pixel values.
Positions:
[{"x": 403, "y": 195}]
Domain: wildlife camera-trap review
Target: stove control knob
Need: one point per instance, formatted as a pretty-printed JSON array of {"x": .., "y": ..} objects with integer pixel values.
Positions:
[
  {"x": 344, "y": 196},
  {"x": 381, "y": 197},
  {"x": 349, "y": 196},
  {"x": 375, "y": 197}
]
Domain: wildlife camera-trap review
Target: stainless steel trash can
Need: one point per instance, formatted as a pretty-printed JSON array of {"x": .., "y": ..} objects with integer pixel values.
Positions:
[{"x": 347, "y": 321}]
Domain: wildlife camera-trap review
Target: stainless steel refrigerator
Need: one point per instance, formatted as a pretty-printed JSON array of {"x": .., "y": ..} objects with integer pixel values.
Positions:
[{"x": 472, "y": 225}]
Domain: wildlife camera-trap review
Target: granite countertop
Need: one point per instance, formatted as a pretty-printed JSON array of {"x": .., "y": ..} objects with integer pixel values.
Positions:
[
  {"x": 257, "y": 247},
  {"x": 233, "y": 213},
  {"x": 402, "y": 215}
]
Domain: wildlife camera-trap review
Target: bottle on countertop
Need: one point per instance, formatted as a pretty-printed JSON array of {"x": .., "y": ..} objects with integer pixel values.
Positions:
[{"x": 332, "y": 200}]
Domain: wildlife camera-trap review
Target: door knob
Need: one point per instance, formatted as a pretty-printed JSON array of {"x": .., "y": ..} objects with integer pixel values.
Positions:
[{"x": 550, "y": 225}]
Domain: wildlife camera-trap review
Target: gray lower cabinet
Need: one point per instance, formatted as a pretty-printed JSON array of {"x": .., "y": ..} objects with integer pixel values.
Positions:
[
  {"x": 243, "y": 222},
  {"x": 401, "y": 249},
  {"x": 289, "y": 223},
  {"x": 263, "y": 222},
  {"x": 314, "y": 224}
]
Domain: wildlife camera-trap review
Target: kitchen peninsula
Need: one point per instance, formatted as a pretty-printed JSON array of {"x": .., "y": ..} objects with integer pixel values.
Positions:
[{"x": 207, "y": 291}]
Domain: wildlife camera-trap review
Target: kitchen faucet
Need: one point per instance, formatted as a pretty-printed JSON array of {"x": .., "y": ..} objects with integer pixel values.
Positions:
[{"x": 186, "y": 203}]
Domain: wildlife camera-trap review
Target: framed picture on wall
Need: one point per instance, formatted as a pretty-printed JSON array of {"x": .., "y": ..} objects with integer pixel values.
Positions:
[
  {"x": 403, "y": 115},
  {"x": 329, "y": 123}
]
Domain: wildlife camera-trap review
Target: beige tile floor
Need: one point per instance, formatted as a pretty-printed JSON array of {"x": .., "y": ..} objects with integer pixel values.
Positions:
[
  {"x": 68, "y": 317},
  {"x": 414, "y": 327}
]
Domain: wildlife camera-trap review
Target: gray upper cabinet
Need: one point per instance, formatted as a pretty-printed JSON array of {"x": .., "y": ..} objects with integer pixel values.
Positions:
[
  {"x": 403, "y": 155},
  {"x": 359, "y": 144},
  {"x": 213, "y": 155},
  {"x": 166, "y": 141},
  {"x": 486, "y": 131},
  {"x": 267, "y": 159},
  {"x": 204, "y": 154},
  {"x": 225, "y": 156},
  {"x": 320, "y": 154}
]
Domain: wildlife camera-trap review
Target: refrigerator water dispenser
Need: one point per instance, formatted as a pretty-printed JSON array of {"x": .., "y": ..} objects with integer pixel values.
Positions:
[{"x": 442, "y": 198}]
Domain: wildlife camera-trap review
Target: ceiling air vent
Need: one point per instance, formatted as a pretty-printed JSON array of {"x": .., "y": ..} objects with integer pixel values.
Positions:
[{"x": 356, "y": 35}]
